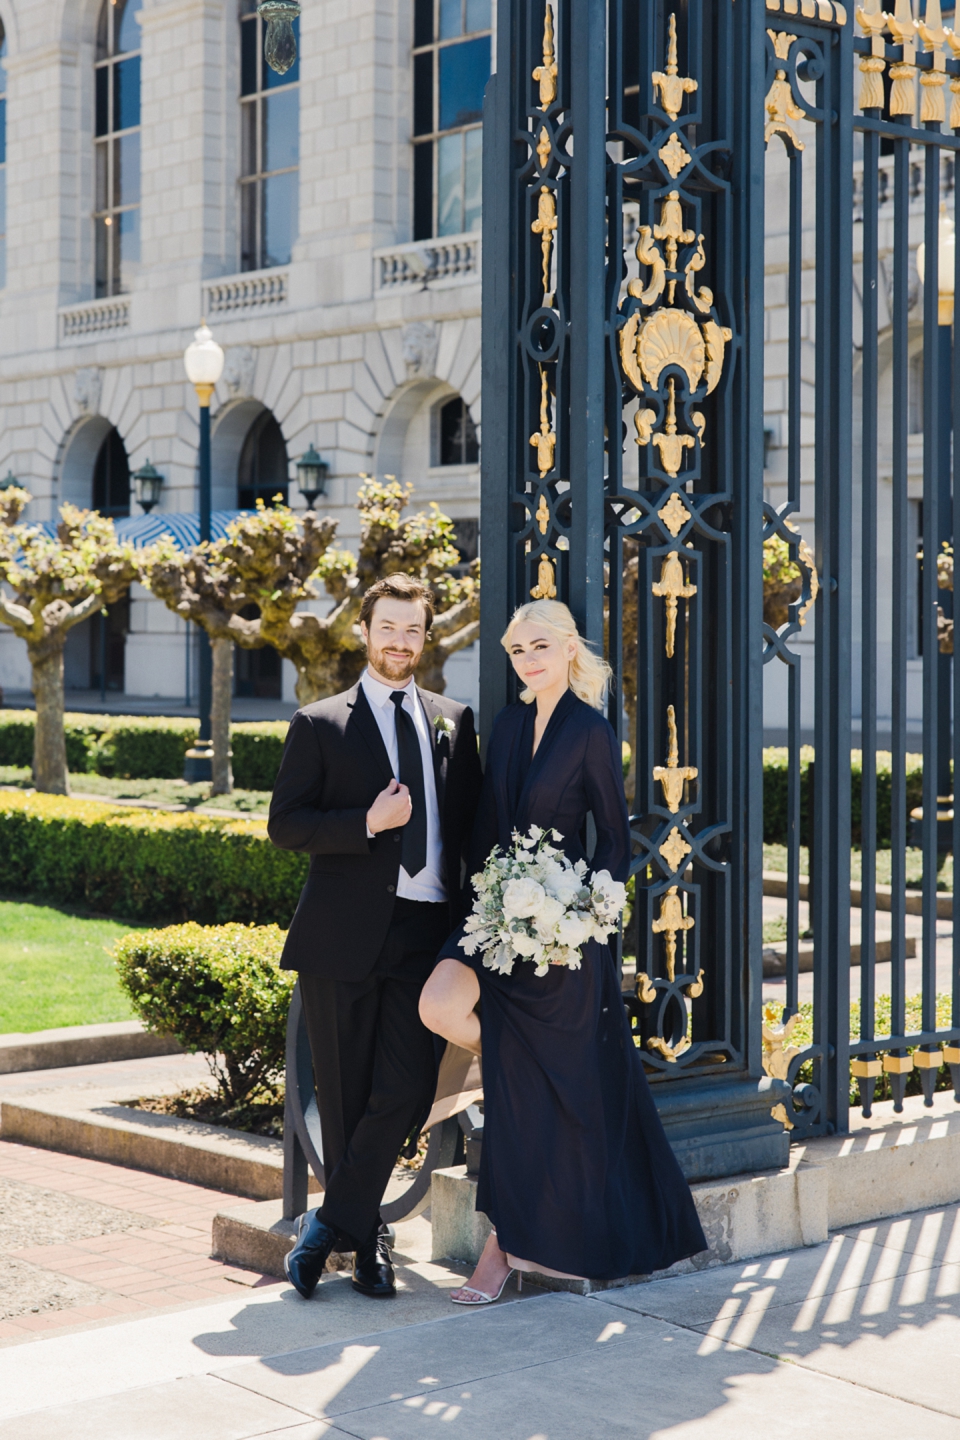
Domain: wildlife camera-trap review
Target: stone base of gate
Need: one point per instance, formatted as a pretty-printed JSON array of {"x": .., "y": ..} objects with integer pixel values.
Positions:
[{"x": 888, "y": 1165}]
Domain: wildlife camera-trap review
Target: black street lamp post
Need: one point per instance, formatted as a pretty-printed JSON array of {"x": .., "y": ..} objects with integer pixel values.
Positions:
[{"x": 203, "y": 362}]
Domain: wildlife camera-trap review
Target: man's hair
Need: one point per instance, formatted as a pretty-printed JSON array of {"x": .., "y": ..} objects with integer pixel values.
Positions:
[{"x": 399, "y": 587}]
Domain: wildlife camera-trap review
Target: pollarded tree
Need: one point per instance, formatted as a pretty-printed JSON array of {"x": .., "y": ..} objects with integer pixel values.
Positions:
[
  {"x": 269, "y": 555},
  {"x": 328, "y": 650},
  {"x": 56, "y": 584}
]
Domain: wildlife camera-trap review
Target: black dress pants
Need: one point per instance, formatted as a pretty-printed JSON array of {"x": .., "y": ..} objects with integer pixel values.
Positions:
[{"x": 374, "y": 1063}]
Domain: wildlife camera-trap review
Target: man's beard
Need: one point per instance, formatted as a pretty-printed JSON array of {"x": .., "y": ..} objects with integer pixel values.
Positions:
[{"x": 394, "y": 668}]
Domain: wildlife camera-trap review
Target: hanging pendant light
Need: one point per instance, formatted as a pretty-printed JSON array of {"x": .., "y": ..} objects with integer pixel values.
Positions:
[{"x": 280, "y": 46}]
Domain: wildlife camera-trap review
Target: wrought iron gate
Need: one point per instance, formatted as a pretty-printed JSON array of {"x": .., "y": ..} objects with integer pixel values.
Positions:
[{"x": 623, "y": 470}]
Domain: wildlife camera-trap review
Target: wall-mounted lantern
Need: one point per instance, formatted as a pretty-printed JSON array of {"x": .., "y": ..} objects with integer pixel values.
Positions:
[
  {"x": 312, "y": 475},
  {"x": 149, "y": 483}
]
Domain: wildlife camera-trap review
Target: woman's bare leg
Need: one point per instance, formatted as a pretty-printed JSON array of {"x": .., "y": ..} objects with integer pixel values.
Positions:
[
  {"x": 447, "y": 1005},
  {"x": 492, "y": 1267}
]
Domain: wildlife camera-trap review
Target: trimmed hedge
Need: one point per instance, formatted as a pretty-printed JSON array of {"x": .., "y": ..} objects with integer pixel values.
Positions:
[
  {"x": 219, "y": 990},
  {"x": 775, "y": 793},
  {"x": 145, "y": 864},
  {"x": 135, "y": 747}
]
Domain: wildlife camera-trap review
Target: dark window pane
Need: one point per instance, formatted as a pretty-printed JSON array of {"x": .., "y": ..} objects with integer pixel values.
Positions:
[
  {"x": 472, "y": 178},
  {"x": 102, "y": 162},
  {"x": 127, "y": 243},
  {"x": 458, "y": 435},
  {"x": 248, "y": 57},
  {"x": 423, "y": 93},
  {"x": 271, "y": 80},
  {"x": 263, "y": 469},
  {"x": 103, "y": 107},
  {"x": 423, "y": 191},
  {"x": 126, "y": 26},
  {"x": 248, "y": 129},
  {"x": 466, "y": 537},
  {"x": 478, "y": 15},
  {"x": 3, "y": 132},
  {"x": 450, "y": 19},
  {"x": 102, "y": 248},
  {"x": 249, "y": 244},
  {"x": 423, "y": 22},
  {"x": 111, "y": 478},
  {"x": 126, "y": 93},
  {"x": 450, "y": 184},
  {"x": 280, "y": 217},
  {"x": 281, "y": 130},
  {"x": 248, "y": 7},
  {"x": 464, "y": 71},
  {"x": 126, "y": 169}
]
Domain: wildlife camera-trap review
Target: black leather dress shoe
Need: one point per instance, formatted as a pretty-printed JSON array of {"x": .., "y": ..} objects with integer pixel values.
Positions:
[
  {"x": 303, "y": 1265},
  {"x": 372, "y": 1271}
]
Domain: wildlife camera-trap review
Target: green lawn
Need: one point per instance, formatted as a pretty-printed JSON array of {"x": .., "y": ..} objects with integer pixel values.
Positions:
[
  {"x": 54, "y": 969},
  {"x": 775, "y": 858},
  {"x": 158, "y": 792}
]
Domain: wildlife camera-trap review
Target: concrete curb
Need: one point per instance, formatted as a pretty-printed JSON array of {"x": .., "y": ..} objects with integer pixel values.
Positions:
[
  {"x": 82, "y": 1045},
  {"x": 775, "y": 883},
  {"x": 257, "y": 1237},
  {"x": 221, "y": 1159}
]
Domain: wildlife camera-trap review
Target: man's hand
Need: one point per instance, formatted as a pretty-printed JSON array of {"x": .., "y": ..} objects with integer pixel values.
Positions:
[{"x": 392, "y": 808}]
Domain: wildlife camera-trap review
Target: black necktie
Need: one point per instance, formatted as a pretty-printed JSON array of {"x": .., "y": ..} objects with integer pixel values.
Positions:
[{"x": 413, "y": 852}]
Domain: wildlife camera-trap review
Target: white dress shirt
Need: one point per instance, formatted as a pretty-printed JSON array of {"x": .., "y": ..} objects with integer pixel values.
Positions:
[{"x": 429, "y": 883}]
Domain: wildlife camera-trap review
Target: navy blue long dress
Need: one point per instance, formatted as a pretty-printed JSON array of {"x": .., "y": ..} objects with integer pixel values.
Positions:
[{"x": 576, "y": 1172}]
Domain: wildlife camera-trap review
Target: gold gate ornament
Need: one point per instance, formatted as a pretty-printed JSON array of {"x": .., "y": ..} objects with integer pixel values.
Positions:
[
  {"x": 673, "y": 776},
  {"x": 672, "y": 922},
  {"x": 672, "y": 587}
]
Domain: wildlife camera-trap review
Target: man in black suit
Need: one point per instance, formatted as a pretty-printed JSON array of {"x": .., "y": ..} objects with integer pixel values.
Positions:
[{"x": 379, "y": 787}]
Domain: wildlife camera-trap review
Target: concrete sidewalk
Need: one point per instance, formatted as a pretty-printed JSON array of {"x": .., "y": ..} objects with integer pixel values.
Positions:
[{"x": 858, "y": 1335}]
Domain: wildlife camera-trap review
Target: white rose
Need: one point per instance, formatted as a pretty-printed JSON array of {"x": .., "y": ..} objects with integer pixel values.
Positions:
[
  {"x": 525, "y": 944},
  {"x": 572, "y": 932},
  {"x": 546, "y": 921},
  {"x": 566, "y": 886},
  {"x": 522, "y": 899},
  {"x": 608, "y": 894}
]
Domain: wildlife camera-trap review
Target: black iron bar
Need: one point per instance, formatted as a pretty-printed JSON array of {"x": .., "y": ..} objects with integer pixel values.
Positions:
[
  {"x": 868, "y": 607},
  {"x": 929, "y": 595},
  {"x": 901, "y": 565}
]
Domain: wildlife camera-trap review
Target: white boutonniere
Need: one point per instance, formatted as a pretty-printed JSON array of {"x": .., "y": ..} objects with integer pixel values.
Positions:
[{"x": 443, "y": 725}]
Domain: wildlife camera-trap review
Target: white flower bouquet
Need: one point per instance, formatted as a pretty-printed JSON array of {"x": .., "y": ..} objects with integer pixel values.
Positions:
[{"x": 532, "y": 903}]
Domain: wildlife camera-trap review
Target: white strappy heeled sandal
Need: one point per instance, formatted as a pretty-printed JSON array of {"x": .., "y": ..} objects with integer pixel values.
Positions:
[{"x": 481, "y": 1296}]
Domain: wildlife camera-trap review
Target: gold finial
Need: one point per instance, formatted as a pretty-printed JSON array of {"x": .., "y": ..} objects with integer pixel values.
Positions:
[
  {"x": 934, "y": 36},
  {"x": 903, "y": 28},
  {"x": 672, "y": 922},
  {"x": 672, "y": 588},
  {"x": 671, "y": 230},
  {"x": 872, "y": 22},
  {"x": 544, "y": 226},
  {"x": 669, "y": 444},
  {"x": 546, "y": 586},
  {"x": 543, "y": 147},
  {"x": 673, "y": 776},
  {"x": 672, "y": 85},
  {"x": 544, "y": 440},
  {"x": 546, "y": 74},
  {"x": 780, "y": 104},
  {"x": 542, "y": 516}
]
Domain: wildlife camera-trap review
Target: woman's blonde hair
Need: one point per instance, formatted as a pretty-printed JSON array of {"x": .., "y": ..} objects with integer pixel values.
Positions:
[{"x": 589, "y": 674}]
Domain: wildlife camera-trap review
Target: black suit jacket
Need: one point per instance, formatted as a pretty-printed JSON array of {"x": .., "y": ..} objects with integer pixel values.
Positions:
[{"x": 334, "y": 765}]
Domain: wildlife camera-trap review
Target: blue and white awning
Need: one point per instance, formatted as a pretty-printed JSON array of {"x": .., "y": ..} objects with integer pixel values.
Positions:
[{"x": 183, "y": 529}]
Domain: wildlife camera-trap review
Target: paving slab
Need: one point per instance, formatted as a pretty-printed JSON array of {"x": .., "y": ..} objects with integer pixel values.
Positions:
[
  {"x": 180, "y": 1410},
  {"x": 648, "y": 1384}
]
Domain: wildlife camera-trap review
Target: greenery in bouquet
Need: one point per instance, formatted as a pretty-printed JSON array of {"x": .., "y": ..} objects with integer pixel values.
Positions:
[{"x": 533, "y": 903}]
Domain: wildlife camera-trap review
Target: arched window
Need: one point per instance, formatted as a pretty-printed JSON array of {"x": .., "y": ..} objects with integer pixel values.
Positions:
[
  {"x": 451, "y": 66},
  {"x": 117, "y": 216},
  {"x": 111, "y": 478},
  {"x": 263, "y": 471},
  {"x": 3, "y": 158},
  {"x": 456, "y": 434},
  {"x": 270, "y": 149}
]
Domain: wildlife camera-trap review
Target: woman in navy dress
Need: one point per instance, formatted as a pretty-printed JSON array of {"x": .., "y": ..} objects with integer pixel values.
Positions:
[{"x": 576, "y": 1175}]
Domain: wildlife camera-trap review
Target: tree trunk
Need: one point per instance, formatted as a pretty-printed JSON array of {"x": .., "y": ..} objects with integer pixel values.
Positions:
[
  {"x": 49, "y": 742},
  {"x": 220, "y": 716}
]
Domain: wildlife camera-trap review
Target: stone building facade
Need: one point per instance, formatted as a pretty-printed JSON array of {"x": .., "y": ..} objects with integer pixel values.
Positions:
[{"x": 156, "y": 172}]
